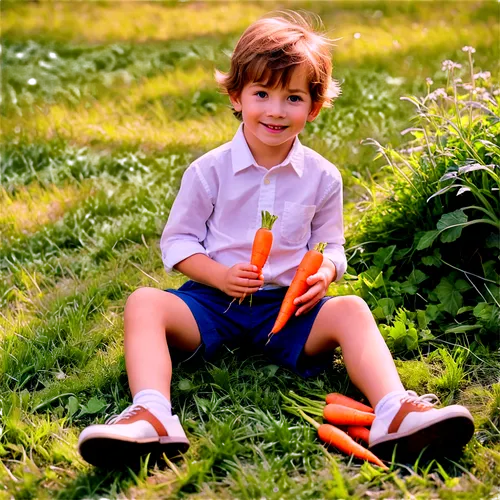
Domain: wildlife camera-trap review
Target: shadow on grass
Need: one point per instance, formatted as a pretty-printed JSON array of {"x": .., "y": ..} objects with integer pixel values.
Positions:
[
  {"x": 55, "y": 162},
  {"x": 81, "y": 222},
  {"x": 87, "y": 68},
  {"x": 98, "y": 483}
]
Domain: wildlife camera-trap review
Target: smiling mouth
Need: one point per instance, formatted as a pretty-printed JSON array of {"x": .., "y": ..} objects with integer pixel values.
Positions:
[{"x": 275, "y": 127}]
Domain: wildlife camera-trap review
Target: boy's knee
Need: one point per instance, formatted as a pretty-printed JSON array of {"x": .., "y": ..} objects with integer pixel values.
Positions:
[
  {"x": 140, "y": 297},
  {"x": 352, "y": 305}
]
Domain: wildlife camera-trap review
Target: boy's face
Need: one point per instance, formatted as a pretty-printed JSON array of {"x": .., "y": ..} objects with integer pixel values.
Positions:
[{"x": 275, "y": 116}]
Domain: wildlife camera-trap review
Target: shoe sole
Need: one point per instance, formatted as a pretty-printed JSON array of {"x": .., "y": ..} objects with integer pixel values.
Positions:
[
  {"x": 107, "y": 452},
  {"x": 443, "y": 438}
]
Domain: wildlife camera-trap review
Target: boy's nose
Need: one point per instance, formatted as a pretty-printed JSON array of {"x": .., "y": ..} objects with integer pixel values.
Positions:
[{"x": 275, "y": 108}]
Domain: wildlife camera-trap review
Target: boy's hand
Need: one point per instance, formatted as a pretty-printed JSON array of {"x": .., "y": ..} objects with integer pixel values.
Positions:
[
  {"x": 319, "y": 284},
  {"x": 241, "y": 279}
]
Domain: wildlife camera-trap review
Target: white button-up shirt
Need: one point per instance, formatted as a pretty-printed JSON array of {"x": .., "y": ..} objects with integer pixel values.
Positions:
[{"x": 218, "y": 209}]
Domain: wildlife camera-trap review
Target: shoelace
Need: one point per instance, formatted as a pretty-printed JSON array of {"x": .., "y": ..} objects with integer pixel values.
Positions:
[
  {"x": 424, "y": 400},
  {"x": 125, "y": 414}
]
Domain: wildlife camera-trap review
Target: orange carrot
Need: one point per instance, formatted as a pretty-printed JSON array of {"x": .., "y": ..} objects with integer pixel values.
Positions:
[
  {"x": 310, "y": 264},
  {"x": 358, "y": 432},
  {"x": 340, "y": 399},
  {"x": 343, "y": 415},
  {"x": 262, "y": 243},
  {"x": 335, "y": 437}
]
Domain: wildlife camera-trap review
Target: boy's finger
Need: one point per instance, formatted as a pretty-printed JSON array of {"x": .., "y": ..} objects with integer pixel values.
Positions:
[
  {"x": 249, "y": 274},
  {"x": 246, "y": 266},
  {"x": 303, "y": 310},
  {"x": 249, "y": 283},
  {"x": 300, "y": 300},
  {"x": 313, "y": 279}
]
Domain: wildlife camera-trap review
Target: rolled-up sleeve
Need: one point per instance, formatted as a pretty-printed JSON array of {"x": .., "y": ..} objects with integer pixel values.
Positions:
[
  {"x": 328, "y": 227},
  {"x": 186, "y": 226}
]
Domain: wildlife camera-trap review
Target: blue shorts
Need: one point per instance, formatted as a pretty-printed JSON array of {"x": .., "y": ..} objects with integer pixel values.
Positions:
[{"x": 248, "y": 325}]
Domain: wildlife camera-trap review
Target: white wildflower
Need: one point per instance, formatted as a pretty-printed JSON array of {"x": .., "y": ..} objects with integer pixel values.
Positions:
[
  {"x": 20, "y": 55},
  {"x": 458, "y": 80},
  {"x": 45, "y": 65},
  {"x": 32, "y": 81},
  {"x": 486, "y": 96},
  {"x": 450, "y": 65},
  {"x": 468, "y": 86},
  {"x": 429, "y": 81},
  {"x": 469, "y": 49},
  {"x": 357, "y": 35},
  {"x": 398, "y": 80},
  {"x": 52, "y": 55},
  {"x": 484, "y": 75},
  {"x": 437, "y": 93},
  {"x": 496, "y": 92}
]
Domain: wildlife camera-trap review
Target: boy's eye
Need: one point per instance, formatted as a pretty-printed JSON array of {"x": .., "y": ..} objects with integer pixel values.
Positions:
[
  {"x": 261, "y": 94},
  {"x": 295, "y": 98}
]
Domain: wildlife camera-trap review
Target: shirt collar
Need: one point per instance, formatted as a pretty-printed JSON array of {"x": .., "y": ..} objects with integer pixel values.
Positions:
[{"x": 242, "y": 157}]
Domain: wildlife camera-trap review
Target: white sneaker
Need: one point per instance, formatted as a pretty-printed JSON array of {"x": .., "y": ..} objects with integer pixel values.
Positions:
[
  {"x": 124, "y": 438},
  {"x": 412, "y": 424}
]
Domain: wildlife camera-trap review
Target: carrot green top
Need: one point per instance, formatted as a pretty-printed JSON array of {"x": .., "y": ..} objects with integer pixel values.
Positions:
[
  {"x": 319, "y": 247},
  {"x": 268, "y": 220}
]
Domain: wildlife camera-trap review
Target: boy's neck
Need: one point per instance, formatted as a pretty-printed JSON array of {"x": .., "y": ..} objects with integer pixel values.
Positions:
[{"x": 267, "y": 156}]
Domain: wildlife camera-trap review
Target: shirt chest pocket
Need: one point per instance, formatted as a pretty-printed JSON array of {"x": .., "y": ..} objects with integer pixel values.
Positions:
[{"x": 296, "y": 222}]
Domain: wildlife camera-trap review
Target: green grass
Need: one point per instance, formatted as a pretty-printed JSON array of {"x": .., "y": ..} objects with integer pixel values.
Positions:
[{"x": 91, "y": 159}]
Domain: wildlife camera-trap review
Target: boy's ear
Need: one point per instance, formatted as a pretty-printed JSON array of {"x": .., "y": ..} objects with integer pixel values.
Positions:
[
  {"x": 235, "y": 101},
  {"x": 315, "y": 109}
]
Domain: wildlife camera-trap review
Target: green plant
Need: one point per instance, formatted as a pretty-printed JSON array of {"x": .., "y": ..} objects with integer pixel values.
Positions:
[
  {"x": 453, "y": 372},
  {"x": 436, "y": 219}
]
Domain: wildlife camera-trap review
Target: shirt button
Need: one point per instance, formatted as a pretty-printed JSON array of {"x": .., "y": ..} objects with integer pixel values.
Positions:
[{"x": 266, "y": 181}]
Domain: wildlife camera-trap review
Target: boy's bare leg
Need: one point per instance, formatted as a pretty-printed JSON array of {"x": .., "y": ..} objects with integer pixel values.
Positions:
[
  {"x": 347, "y": 321},
  {"x": 155, "y": 319}
]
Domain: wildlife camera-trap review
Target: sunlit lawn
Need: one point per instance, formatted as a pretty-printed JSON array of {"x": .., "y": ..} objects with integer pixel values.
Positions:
[{"x": 103, "y": 106}]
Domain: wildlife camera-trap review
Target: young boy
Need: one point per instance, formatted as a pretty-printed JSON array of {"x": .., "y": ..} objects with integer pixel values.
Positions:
[{"x": 279, "y": 79}]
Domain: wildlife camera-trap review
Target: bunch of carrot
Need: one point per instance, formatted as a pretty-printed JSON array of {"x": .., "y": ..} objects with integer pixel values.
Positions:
[{"x": 339, "y": 411}]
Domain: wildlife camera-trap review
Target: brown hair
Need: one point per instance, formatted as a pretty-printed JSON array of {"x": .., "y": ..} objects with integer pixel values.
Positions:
[{"x": 272, "y": 47}]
